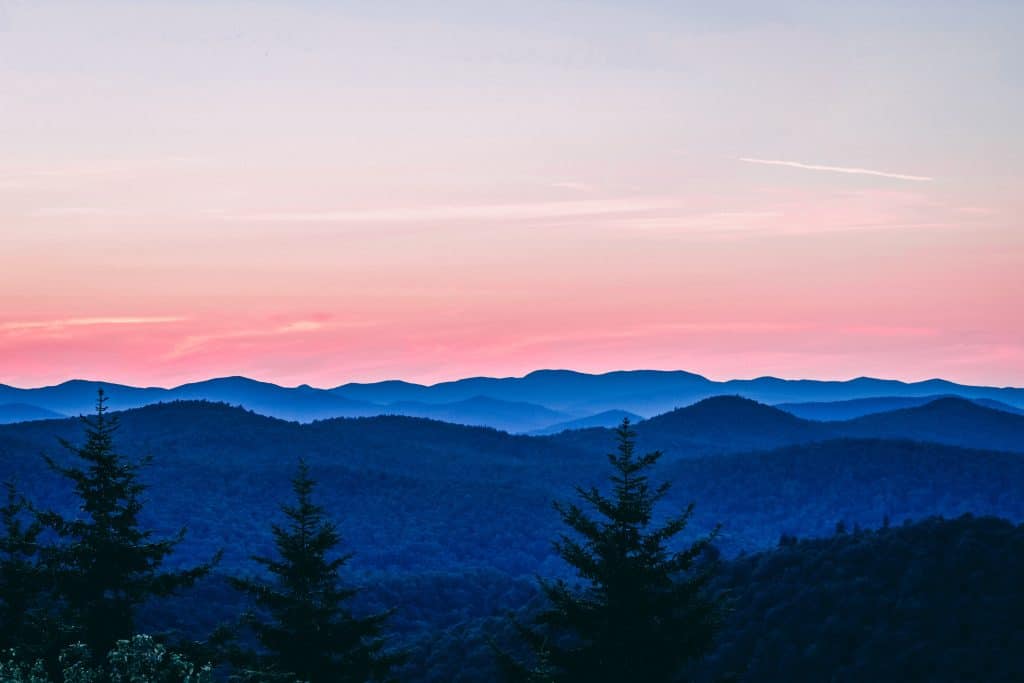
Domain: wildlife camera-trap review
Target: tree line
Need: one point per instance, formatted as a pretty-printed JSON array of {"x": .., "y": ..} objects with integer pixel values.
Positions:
[{"x": 71, "y": 587}]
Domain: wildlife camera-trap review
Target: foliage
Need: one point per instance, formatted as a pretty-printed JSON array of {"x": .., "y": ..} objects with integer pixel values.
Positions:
[
  {"x": 643, "y": 612},
  {"x": 139, "y": 659},
  {"x": 451, "y": 524},
  {"x": 24, "y": 623},
  {"x": 305, "y": 628},
  {"x": 106, "y": 564},
  {"x": 939, "y": 600}
]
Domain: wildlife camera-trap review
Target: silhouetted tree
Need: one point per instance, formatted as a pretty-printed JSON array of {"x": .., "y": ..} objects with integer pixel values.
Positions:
[
  {"x": 23, "y": 618},
  {"x": 643, "y": 612},
  {"x": 106, "y": 565},
  {"x": 305, "y": 628}
]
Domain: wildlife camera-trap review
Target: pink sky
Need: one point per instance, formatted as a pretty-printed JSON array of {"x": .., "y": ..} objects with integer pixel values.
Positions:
[{"x": 308, "y": 194}]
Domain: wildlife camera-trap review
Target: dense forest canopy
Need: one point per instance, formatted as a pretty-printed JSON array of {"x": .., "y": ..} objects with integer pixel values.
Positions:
[{"x": 449, "y": 525}]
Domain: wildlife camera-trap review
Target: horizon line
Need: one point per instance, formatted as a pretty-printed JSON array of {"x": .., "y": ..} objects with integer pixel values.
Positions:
[{"x": 504, "y": 377}]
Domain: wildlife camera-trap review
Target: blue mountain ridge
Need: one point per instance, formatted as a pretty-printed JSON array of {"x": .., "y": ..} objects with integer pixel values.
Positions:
[{"x": 536, "y": 401}]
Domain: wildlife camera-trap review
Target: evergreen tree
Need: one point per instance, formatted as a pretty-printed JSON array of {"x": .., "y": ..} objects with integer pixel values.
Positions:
[
  {"x": 642, "y": 612},
  {"x": 23, "y": 584},
  {"x": 306, "y": 630},
  {"x": 106, "y": 565}
]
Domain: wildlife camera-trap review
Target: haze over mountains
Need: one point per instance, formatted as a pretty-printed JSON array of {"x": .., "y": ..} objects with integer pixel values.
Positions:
[
  {"x": 379, "y": 462},
  {"x": 452, "y": 523},
  {"x": 845, "y": 410},
  {"x": 23, "y": 412},
  {"x": 729, "y": 424},
  {"x": 541, "y": 402}
]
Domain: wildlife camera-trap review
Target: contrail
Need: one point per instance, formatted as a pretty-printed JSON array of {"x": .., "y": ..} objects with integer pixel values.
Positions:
[{"x": 836, "y": 169}]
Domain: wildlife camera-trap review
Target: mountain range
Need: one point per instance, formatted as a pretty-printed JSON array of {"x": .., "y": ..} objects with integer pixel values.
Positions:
[
  {"x": 544, "y": 401},
  {"x": 452, "y": 523},
  {"x": 857, "y": 407},
  {"x": 230, "y": 462},
  {"x": 729, "y": 424}
]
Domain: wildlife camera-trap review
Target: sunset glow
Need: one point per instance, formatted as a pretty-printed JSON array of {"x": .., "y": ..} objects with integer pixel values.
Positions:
[{"x": 317, "y": 194}]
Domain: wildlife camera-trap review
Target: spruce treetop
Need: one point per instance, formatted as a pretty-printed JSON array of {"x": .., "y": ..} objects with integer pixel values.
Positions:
[
  {"x": 303, "y": 623},
  {"x": 106, "y": 564},
  {"x": 639, "y": 610}
]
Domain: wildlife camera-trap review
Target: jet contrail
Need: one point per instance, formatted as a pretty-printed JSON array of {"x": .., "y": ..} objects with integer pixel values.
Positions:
[{"x": 836, "y": 169}]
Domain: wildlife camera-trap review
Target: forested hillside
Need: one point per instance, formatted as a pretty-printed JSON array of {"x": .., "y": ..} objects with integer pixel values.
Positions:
[
  {"x": 449, "y": 524},
  {"x": 934, "y": 600},
  {"x": 726, "y": 424},
  {"x": 938, "y": 600},
  {"x": 858, "y": 407},
  {"x": 430, "y": 495}
]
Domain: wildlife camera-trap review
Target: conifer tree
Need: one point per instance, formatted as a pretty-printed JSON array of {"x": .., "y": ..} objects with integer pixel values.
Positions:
[
  {"x": 306, "y": 630},
  {"x": 642, "y": 611},
  {"x": 23, "y": 622},
  {"x": 106, "y": 564}
]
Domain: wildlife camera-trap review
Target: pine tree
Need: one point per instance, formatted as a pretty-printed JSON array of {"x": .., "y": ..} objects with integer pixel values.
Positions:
[
  {"x": 643, "y": 612},
  {"x": 306, "y": 629},
  {"x": 106, "y": 565},
  {"x": 23, "y": 584}
]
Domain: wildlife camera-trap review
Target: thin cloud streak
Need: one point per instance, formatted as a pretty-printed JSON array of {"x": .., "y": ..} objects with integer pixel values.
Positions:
[
  {"x": 527, "y": 211},
  {"x": 836, "y": 169},
  {"x": 88, "y": 322},
  {"x": 197, "y": 342}
]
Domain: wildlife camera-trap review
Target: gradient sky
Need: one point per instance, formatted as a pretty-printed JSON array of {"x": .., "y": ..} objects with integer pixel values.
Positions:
[{"x": 322, "y": 192}]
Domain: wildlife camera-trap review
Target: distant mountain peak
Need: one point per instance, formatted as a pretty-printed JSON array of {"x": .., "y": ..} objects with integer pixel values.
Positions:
[
  {"x": 229, "y": 379},
  {"x": 554, "y": 372},
  {"x": 946, "y": 402},
  {"x": 725, "y": 408},
  {"x": 732, "y": 403},
  {"x": 570, "y": 393}
]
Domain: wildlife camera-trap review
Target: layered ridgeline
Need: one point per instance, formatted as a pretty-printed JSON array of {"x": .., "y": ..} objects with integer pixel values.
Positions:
[
  {"x": 224, "y": 464},
  {"x": 543, "y": 402},
  {"x": 451, "y": 523},
  {"x": 726, "y": 424}
]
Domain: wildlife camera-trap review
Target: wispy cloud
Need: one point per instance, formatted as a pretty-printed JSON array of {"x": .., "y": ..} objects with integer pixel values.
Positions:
[
  {"x": 88, "y": 322},
  {"x": 197, "y": 342},
  {"x": 76, "y": 212},
  {"x": 890, "y": 331},
  {"x": 482, "y": 212},
  {"x": 836, "y": 169}
]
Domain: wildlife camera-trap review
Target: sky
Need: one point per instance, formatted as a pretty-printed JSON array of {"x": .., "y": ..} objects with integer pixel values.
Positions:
[{"x": 322, "y": 192}]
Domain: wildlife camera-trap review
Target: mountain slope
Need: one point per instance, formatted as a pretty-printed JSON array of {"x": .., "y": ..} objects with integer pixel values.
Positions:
[
  {"x": 727, "y": 424},
  {"x": 608, "y": 418},
  {"x": 511, "y": 416},
  {"x": 731, "y": 423},
  {"x": 23, "y": 412},
  {"x": 858, "y": 407},
  {"x": 867, "y": 606},
  {"x": 939, "y": 600},
  {"x": 650, "y": 392},
  {"x": 302, "y": 403},
  {"x": 643, "y": 392},
  {"x": 774, "y": 390},
  {"x": 721, "y": 424},
  {"x": 421, "y": 501},
  {"x": 953, "y": 421},
  {"x": 563, "y": 390},
  {"x": 78, "y": 396},
  {"x": 408, "y": 476}
]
